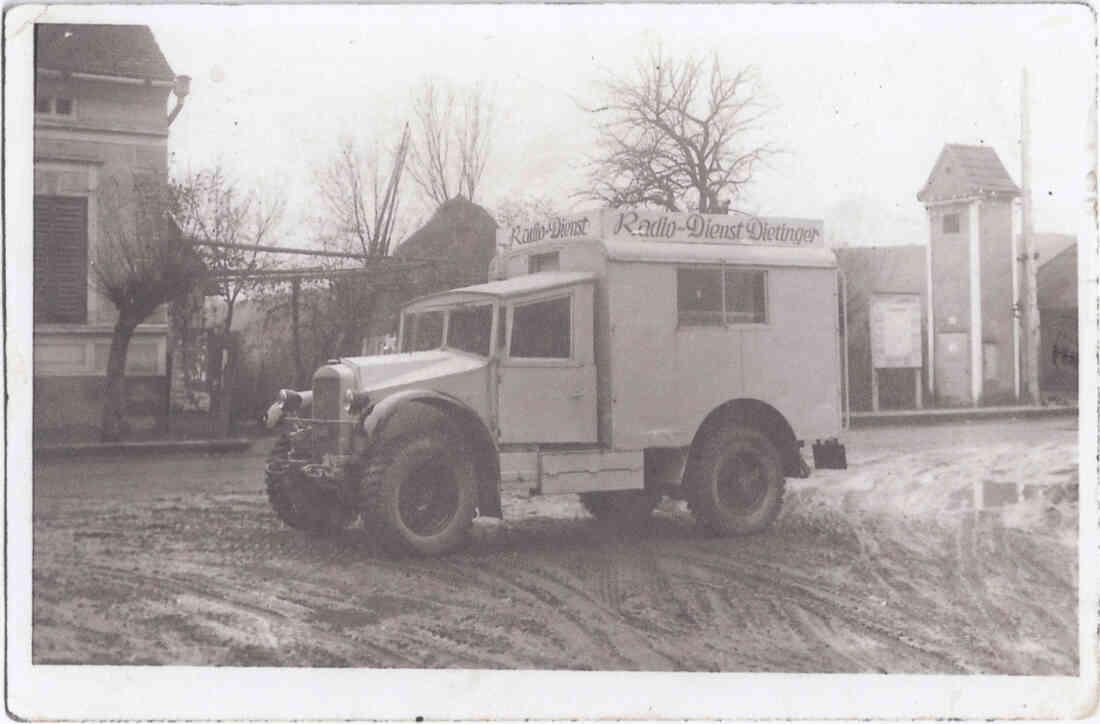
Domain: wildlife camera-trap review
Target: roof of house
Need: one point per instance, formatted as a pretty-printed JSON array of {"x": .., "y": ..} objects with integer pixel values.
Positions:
[
  {"x": 1057, "y": 281},
  {"x": 460, "y": 232},
  {"x": 128, "y": 51},
  {"x": 1050, "y": 245},
  {"x": 964, "y": 171}
]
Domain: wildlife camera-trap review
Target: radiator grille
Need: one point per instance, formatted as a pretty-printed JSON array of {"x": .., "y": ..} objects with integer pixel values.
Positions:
[{"x": 326, "y": 406}]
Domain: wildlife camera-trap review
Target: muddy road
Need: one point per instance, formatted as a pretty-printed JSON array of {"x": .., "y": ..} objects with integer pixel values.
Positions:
[{"x": 885, "y": 567}]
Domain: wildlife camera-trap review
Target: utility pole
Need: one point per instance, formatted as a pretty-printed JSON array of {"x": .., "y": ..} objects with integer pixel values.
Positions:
[{"x": 1029, "y": 257}]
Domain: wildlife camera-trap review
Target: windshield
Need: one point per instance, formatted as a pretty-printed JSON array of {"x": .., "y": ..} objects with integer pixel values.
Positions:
[
  {"x": 469, "y": 329},
  {"x": 422, "y": 331}
]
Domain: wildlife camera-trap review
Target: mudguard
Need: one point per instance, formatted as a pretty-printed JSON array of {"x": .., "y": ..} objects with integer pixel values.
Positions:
[{"x": 467, "y": 423}]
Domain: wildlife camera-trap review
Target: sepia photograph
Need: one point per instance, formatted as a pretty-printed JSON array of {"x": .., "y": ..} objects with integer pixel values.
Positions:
[{"x": 591, "y": 361}]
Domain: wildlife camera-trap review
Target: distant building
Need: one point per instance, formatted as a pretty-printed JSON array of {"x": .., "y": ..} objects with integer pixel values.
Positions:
[
  {"x": 970, "y": 260},
  {"x": 101, "y": 96},
  {"x": 1057, "y": 296},
  {"x": 869, "y": 271}
]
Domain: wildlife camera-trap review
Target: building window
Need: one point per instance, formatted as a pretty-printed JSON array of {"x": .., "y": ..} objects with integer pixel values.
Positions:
[
  {"x": 541, "y": 330},
  {"x": 54, "y": 106},
  {"x": 60, "y": 259},
  {"x": 950, "y": 223},
  {"x": 709, "y": 296}
]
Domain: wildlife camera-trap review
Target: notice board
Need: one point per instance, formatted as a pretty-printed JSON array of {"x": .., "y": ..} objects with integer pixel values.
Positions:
[{"x": 895, "y": 330}]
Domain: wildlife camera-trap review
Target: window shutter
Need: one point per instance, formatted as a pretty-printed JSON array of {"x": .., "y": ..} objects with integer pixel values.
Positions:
[{"x": 60, "y": 259}]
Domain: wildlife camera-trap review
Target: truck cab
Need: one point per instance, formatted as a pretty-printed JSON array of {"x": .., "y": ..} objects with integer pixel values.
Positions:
[{"x": 637, "y": 354}]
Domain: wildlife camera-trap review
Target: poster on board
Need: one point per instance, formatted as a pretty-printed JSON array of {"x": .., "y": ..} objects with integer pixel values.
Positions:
[{"x": 896, "y": 330}]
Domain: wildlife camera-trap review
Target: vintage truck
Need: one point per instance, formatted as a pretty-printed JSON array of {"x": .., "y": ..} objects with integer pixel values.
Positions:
[{"x": 636, "y": 354}]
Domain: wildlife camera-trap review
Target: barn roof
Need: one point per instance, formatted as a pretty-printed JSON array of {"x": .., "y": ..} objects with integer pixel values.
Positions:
[
  {"x": 1057, "y": 281},
  {"x": 965, "y": 171},
  {"x": 127, "y": 51}
]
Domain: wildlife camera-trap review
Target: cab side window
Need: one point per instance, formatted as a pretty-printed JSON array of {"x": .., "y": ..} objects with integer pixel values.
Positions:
[{"x": 541, "y": 330}]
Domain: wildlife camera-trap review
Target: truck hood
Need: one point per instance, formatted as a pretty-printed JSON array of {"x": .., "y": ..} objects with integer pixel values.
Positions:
[{"x": 401, "y": 370}]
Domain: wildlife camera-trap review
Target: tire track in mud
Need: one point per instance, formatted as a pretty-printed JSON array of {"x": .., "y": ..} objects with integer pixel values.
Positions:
[
  {"x": 801, "y": 593},
  {"x": 602, "y": 630},
  {"x": 226, "y": 595}
]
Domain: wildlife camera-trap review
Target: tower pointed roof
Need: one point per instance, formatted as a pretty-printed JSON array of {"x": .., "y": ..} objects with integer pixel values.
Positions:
[{"x": 963, "y": 171}]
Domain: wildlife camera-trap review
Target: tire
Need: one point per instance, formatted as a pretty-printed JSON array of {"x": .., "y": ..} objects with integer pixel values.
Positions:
[
  {"x": 735, "y": 484},
  {"x": 298, "y": 503},
  {"x": 621, "y": 507},
  {"x": 420, "y": 494}
]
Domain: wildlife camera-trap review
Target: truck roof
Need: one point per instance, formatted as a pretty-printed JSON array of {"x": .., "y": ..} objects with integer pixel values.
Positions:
[
  {"x": 745, "y": 254},
  {"x": 524, "y": 284}
]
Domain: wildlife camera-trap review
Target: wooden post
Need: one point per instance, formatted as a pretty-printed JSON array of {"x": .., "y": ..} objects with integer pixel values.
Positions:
[
  {"x": 918, "y": 388},
  {"x": 294, "y": 289},
  {"x": 874, "y": 389},
  {"x": 1030, "y": 300}
]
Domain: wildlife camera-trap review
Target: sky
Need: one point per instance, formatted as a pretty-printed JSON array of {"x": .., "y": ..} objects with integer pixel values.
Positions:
[{"x": 865, "y": 96}]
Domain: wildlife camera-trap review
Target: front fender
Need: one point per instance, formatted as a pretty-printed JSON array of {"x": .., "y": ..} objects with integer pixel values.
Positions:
[{"x": 466, "y": 422}]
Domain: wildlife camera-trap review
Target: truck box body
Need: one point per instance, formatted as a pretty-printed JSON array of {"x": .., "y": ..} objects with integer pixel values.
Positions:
[{"x": 658, "y": 374}]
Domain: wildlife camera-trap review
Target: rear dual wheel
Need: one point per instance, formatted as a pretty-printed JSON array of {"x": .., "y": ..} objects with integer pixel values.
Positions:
[{"x": 735, "y": 484}]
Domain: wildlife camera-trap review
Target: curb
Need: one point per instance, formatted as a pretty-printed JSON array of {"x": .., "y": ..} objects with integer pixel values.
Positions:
[
  {"x": 152, "y": 447},
  {"x": 926, "y": 417}
]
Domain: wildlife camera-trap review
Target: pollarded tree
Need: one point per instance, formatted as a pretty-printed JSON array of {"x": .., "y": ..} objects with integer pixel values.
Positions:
[
  {"x": 213, "y": 208},
  {"x": 139, "y": 263},
  {"x": 679, "y": 134}
]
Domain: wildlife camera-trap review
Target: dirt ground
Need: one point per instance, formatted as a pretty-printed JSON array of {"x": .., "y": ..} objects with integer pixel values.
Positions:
[{"x": 885, "y": 567}]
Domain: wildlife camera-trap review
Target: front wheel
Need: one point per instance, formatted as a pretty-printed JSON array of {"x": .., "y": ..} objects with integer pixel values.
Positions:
[
  {"x": 735, "y": 485},
  {"x": 420, "y": 494},
  {"x": 298, "y": 501}
]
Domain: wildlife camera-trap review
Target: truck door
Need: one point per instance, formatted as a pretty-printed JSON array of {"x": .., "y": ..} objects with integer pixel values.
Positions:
[{"x": 547, "y": 386}]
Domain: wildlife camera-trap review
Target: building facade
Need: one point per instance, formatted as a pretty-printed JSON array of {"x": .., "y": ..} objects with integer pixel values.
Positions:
[
  {"x": 1057, "y": 300},
  {"x": 101, "y": 96},
  {"x": 972, "y": 337}
]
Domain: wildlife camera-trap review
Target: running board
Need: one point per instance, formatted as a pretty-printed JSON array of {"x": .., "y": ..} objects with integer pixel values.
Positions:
[{"x": 588, "y": 471}]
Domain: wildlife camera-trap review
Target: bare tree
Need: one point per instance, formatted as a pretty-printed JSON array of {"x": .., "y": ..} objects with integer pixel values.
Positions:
[
  {"x": 360, "y": 206},
  {"x": 679, "y": 134},
  {"x": 453, "y": 133},
  {"x": 524, "y": 211},
  {"x": 139, "y": 263},
  {"x": 213, "y": 209}
]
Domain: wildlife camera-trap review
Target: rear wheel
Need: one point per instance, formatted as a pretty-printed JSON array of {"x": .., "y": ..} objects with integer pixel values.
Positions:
[
  {"x": 298, "y": 501},
  {"x": 735, "y": 485},
  {"x": 420, "y": 493},
  {"x": 621, "y": 507}
]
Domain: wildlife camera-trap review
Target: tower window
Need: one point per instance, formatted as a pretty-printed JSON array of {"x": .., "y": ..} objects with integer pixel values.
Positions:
[{"x": 951, "y": 223}]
